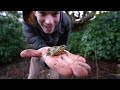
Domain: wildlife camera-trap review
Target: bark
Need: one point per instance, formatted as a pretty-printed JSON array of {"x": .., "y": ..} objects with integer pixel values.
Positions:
[{"x": 86, "y": 16}]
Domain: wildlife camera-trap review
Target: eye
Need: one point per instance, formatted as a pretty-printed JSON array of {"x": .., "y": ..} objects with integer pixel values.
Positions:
[
  {"x": 42, "y": 13},
  {"x": 55, "y": 14},
  {"x": 63, "y": 46}
]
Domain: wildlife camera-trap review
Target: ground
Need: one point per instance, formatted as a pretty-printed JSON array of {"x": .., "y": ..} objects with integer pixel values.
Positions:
[{"x": 20, "y": 68}]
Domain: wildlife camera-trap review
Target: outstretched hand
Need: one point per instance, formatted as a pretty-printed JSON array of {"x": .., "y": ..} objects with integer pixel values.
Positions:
[{"x": 66, "y": 64}]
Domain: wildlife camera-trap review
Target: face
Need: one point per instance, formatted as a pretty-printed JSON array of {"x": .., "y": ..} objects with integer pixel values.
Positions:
[{"x": 47, "y": 20}]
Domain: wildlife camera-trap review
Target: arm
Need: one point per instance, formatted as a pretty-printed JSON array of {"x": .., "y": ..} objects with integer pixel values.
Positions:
[{"x": 32, "y": 37}]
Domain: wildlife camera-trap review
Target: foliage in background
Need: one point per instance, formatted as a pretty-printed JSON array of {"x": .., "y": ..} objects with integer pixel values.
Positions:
[
  {"x": 11, "y": 39},
  {"x": 100, "y": 38}
]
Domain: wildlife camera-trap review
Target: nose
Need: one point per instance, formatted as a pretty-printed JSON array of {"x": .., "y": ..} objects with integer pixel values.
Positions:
[{"x": 49, "y": 20}]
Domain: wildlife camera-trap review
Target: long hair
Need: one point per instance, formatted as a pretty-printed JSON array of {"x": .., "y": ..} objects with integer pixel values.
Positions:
[{"x": 29, "y": 17}]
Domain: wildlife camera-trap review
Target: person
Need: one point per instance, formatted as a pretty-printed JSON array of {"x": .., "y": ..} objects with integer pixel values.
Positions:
[{"x": 45, "y": 29}]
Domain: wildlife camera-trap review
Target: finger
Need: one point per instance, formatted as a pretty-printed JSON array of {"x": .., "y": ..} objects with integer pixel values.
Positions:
[
  {"x": 84, "y": 65},
  {"x": 79, "y": 71},
  {"x": 43, "y": 50},
  {"x": 30, "y": 53},
  {"x": 79, "y": 68}
]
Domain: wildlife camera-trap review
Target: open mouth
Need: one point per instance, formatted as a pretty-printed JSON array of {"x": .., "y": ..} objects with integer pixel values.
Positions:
[{"x": 48, "y": 27}]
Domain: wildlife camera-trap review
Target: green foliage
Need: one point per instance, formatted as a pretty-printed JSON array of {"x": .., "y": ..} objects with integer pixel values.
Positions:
[
  {"x": 74, "y": 42},
  {"x": 11, "y": 39},
  {"x": 101, "y": 38}
]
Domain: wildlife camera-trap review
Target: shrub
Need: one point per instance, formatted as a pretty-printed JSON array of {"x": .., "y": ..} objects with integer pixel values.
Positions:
[
  {"x": 11, "y": 39},
  {"x": 101, "y": 38}
]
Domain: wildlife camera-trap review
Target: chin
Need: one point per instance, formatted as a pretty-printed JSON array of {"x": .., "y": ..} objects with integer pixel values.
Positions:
[{"x": 48, "y": 32}]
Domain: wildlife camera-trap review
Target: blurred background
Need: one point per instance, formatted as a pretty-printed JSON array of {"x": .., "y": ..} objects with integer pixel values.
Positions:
[{"x": 95, "y": 36}]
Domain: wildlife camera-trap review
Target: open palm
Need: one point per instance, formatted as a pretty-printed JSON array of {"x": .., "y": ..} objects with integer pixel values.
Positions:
[{"x": 66, "y": 64}]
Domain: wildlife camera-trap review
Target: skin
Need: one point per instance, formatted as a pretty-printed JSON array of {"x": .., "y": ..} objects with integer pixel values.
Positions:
[
  {"x": 66, "y": 64},
  {"x": 48, "y": 20}
]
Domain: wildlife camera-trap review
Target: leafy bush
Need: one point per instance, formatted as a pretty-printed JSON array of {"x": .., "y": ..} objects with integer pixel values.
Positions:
[
  {"x": 101, "y": 38},
  {"x": 11, "y": 39}
]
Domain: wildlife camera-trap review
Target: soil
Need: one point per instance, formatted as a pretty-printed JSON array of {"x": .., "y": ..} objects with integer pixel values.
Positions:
[
  {"x": 20, "y": 68},
  {"x": 103, "y": 69}
]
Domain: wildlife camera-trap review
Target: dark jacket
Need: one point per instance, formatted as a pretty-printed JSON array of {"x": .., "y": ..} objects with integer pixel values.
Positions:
[{"x": 37, "y": 38}]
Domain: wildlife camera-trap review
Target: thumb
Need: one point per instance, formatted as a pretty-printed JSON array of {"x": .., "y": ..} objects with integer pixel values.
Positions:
[{"x": 30, "y": 53}]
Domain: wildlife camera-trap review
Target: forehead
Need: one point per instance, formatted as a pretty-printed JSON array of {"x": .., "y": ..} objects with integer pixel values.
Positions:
[{"x": 49, "y": 11}]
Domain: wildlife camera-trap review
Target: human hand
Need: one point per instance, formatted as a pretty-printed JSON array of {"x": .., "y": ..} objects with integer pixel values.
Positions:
[
  {"x": 33, "y": 53},
  {"x": 66, "y": 64}
]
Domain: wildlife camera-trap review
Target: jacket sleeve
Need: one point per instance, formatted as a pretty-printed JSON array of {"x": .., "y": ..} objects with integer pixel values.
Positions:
[{"x": 31, "y": 36}]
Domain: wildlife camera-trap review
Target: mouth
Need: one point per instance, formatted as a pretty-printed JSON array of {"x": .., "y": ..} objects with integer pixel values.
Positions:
[{"x": 48, "y": 27}]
